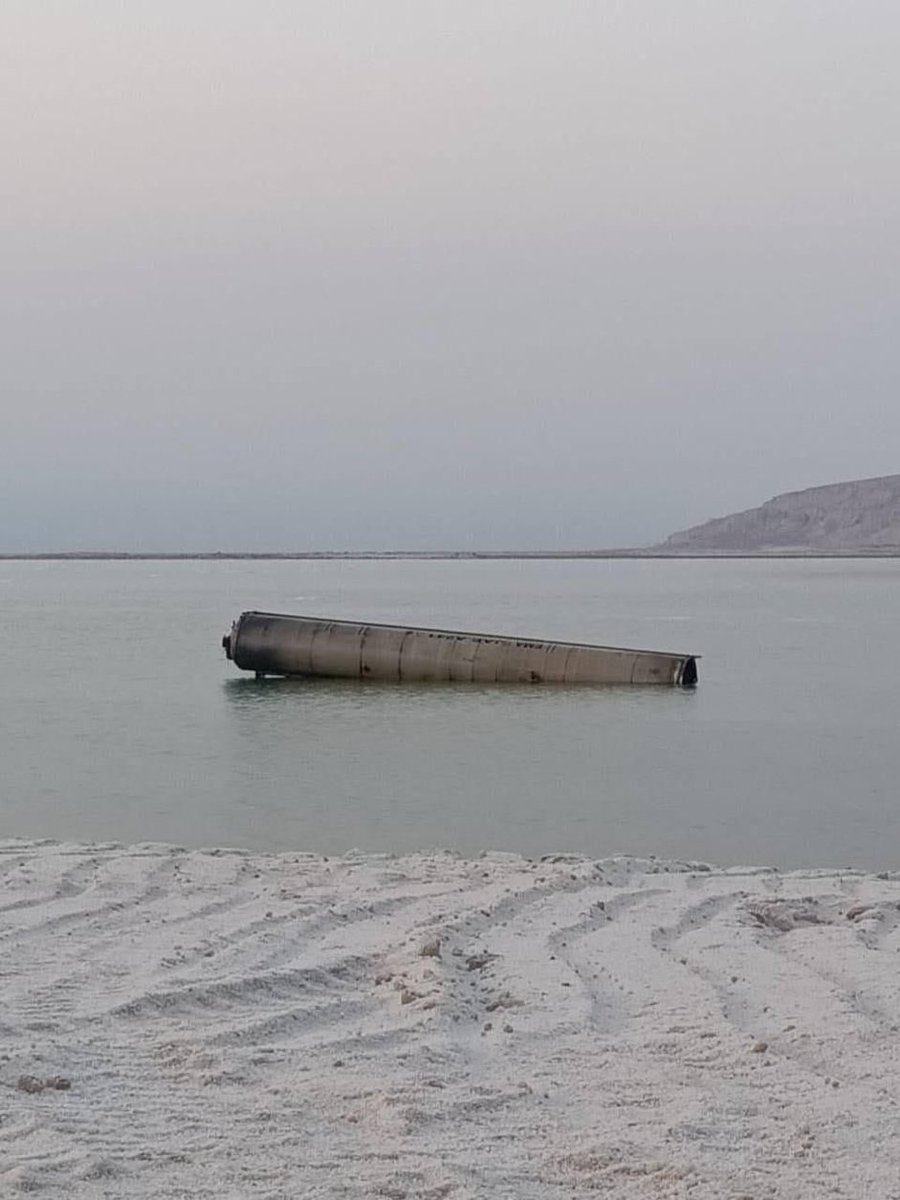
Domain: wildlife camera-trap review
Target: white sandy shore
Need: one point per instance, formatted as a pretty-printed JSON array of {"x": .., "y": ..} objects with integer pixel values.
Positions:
[{"x": 240, "y": 1024}]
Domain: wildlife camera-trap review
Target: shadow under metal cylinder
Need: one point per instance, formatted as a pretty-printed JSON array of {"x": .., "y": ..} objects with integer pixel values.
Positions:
[{"x": 278, "y": 644}]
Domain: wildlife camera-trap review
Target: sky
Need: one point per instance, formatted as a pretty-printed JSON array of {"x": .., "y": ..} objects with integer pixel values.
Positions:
[{"x": 417, "y": 274}]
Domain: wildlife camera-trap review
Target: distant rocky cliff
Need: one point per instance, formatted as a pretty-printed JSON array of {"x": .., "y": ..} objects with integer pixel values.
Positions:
[{"x": 861, "y": 515}]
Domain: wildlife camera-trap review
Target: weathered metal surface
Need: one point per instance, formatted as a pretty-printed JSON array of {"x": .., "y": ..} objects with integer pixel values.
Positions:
[{"x": 277, "y": 644}]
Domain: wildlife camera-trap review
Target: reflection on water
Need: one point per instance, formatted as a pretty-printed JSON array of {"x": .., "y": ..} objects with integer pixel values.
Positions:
[{"x": 271, "y": 696}]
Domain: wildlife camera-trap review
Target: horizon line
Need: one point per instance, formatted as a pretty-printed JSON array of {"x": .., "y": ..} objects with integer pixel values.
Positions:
[{"x": 424, "y": 555}]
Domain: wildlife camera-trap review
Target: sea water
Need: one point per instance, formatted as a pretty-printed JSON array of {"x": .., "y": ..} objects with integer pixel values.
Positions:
[{"x": 120, "y": 718}]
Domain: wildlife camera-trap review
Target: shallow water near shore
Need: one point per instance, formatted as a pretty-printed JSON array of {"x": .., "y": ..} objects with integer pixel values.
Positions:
[{"x": 122, "y": 720}]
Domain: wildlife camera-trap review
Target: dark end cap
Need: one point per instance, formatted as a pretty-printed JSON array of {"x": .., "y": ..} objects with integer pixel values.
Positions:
[{"x": 689, "y": 673}]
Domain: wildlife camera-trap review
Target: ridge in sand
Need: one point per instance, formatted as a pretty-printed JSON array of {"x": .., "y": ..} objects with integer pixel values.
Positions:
[{"x": 224, "y": 1023}]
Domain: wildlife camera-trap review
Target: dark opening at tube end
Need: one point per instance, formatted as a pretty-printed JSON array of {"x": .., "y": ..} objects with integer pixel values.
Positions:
[{"x": 689, "y": 673}]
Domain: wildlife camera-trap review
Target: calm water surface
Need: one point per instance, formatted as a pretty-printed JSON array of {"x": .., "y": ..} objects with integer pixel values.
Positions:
[{"x": 120, "y": 718}]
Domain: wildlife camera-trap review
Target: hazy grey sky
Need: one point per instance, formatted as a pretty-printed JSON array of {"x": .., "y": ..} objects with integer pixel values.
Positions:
[{"x": 408, "y": 273}]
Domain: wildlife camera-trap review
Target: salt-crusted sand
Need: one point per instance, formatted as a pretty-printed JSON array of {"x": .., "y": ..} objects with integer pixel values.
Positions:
[{"x": 238, "y": 1024}]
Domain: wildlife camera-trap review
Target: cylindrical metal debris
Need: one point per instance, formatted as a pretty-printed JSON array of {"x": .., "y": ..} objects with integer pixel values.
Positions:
[{"x": 276, "y": 644}]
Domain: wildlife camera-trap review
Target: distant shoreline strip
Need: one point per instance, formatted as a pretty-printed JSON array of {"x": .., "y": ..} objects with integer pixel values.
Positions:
[{"x": 433, "y": 555}]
